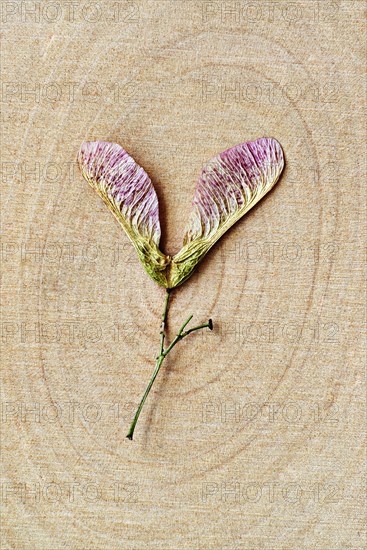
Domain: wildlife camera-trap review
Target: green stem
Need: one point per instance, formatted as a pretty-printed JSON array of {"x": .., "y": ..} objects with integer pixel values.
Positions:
[
  {"x": 182, "y": 334},
  {"x": 164, "y": 317},
  {"x": 163, "y": 354},
  {"x": 158, "y": 364}
]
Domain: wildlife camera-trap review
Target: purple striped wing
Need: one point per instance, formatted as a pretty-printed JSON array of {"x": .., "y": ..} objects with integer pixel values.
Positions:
[
  {"x": 129, "y": 193},
  {"x": 229, "y": 186}
]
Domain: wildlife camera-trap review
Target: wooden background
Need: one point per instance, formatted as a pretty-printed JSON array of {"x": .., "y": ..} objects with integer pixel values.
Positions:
[{"x": 253, "y": 435}]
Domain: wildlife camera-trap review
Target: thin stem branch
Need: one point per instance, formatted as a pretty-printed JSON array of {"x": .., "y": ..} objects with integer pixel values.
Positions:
[
  {"x": 205, "y": 325},
  {"x": 181, "y": 335},
  {"x": 162, "y": 355},
  {"x": 158, "y": 364}
]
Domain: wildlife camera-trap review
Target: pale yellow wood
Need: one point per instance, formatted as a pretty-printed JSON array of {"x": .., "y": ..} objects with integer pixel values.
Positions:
[{"x": 252, "y": 436}]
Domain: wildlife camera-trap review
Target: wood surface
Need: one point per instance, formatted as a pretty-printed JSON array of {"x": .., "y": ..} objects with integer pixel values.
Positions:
[{"x": 253, "y": 435}]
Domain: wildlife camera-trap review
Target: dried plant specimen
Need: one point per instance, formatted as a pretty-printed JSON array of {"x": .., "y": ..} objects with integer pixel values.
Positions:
[{"x": 228, "y": 187}]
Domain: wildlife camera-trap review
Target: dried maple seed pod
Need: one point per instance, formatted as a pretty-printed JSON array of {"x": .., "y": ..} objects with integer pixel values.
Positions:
[{"x": 228, "y": 187}]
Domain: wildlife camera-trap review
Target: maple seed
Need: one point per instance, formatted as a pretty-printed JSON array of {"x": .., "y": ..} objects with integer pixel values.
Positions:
[{"x": 229, "y": 186}]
